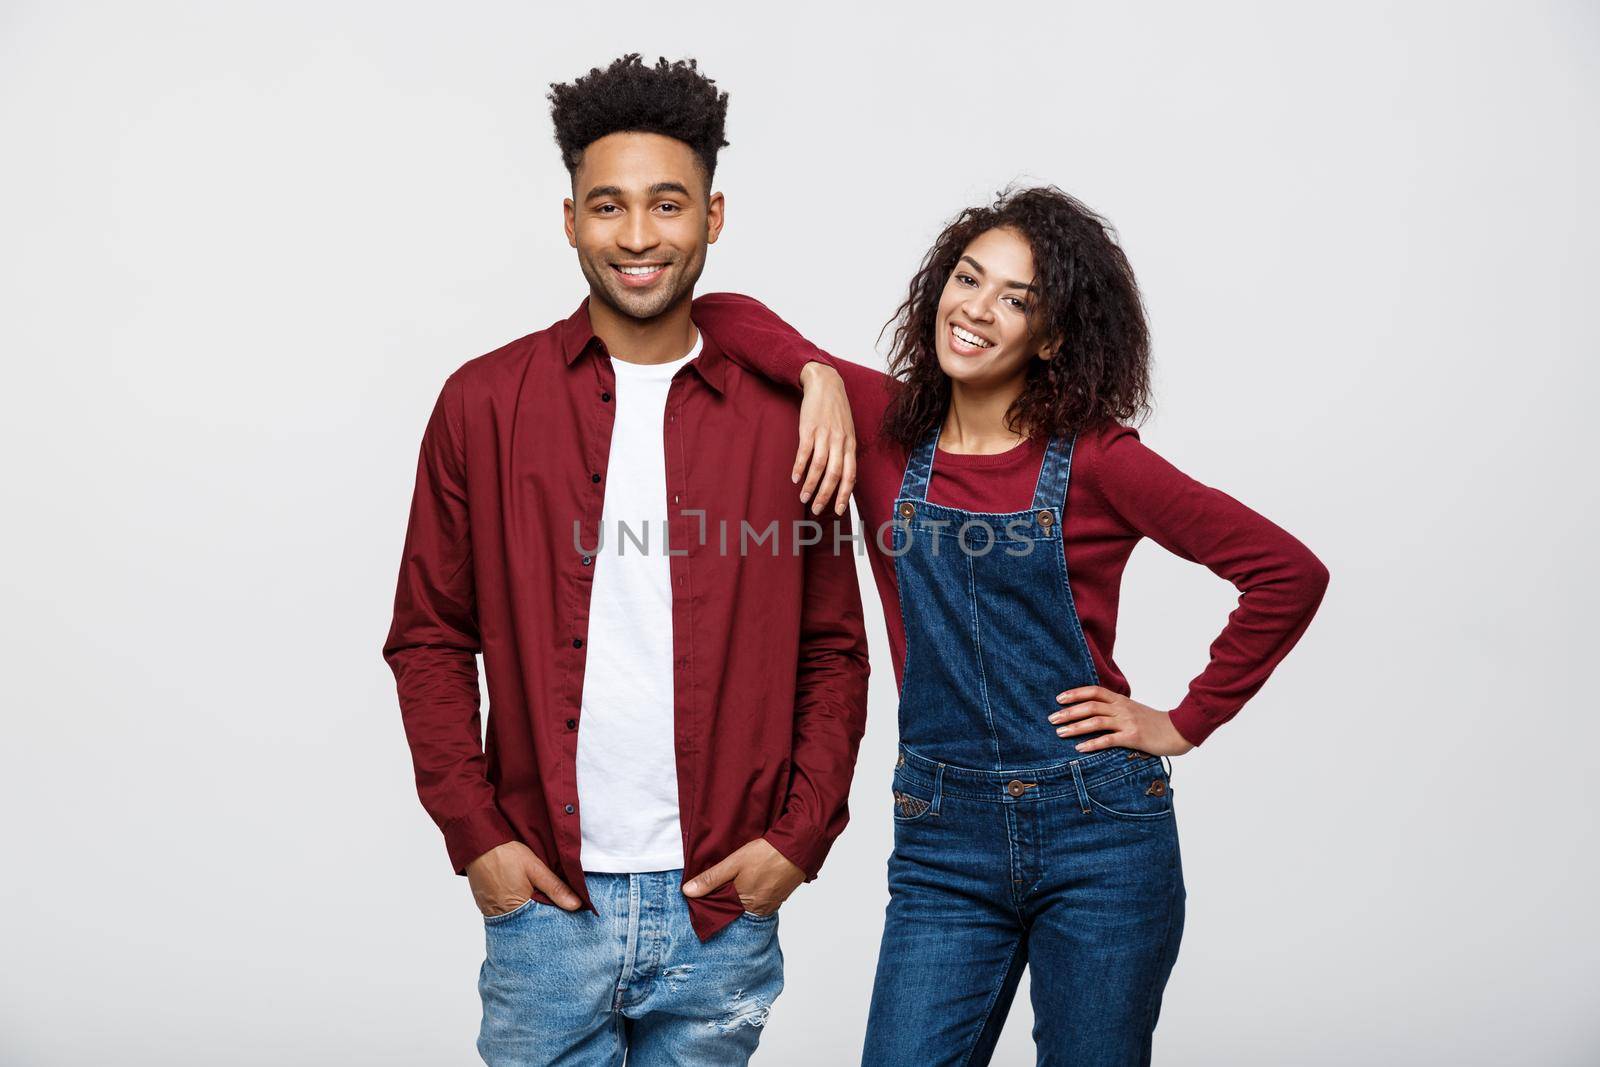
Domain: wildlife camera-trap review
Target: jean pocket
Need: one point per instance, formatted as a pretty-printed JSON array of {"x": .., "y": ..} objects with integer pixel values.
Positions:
[
  {"x": 908, "y": 805},
  {"x": 750, "y": 916},
  {"x": 1140, "y": 794},
  {"x": 520, "y": 909}
]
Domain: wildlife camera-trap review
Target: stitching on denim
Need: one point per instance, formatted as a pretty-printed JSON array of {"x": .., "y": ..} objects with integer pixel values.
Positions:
[
  {"x": 494, "y": 920},
  {"x": 977, "y": 644}
]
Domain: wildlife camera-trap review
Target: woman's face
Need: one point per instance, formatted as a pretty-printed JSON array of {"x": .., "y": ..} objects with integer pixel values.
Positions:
[{"x": 982, "y": 334}]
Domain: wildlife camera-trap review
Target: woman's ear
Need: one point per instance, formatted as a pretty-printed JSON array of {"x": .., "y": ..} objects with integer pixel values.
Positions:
[{"x": 1046, "y": 348}]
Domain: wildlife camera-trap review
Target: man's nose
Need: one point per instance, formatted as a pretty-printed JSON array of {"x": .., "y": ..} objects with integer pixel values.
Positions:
[{"x": 637, "y": 234}]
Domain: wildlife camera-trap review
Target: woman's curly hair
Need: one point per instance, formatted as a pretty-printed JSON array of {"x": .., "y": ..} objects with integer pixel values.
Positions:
[
  {"x": 1088, "y": 305},
  {"x": 673, "y": 99}
]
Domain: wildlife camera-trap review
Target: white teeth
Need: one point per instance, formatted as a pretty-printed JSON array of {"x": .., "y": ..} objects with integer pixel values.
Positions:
[
  {"x": 971, "y": 338},
  {"x": 639, "y": 270}
]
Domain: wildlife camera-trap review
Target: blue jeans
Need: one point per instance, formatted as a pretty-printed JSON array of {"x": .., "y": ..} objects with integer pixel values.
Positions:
[
  {"x": 1072, "y": 871},
  {"x": 577, "y": 989}
]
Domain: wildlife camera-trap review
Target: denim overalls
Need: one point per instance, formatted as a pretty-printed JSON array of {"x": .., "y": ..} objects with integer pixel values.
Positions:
[{"x": 1011, "y": 848}]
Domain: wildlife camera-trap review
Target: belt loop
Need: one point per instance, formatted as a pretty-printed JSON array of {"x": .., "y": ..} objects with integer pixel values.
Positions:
[
  {"x": 938, "y": 789},
  {"x": 1165, "y": 762},
  {"x": 1077, "y": 780}
]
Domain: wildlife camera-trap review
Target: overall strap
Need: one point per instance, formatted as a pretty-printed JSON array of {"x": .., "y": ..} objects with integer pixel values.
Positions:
[
  {"x": 1054, "y": 474},
  {"x": 919, "y": 468}
]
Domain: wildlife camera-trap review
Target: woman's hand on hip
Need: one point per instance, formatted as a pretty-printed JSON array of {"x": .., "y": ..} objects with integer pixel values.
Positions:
[
  {"x": 826, "y": 457},
  {"x": 1092, "y": 708}
]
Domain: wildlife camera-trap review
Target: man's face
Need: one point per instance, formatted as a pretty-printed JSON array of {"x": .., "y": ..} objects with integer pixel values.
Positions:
[{"x": 641, "y": 220}]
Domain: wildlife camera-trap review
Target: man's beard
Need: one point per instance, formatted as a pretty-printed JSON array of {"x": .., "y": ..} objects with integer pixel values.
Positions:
[{"x": 646, "y": 304}]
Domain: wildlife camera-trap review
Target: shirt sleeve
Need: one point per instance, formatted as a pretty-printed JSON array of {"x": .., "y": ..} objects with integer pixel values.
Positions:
[
  {"x": 433, "y": 645},
  {"x": 1280, "y": 581},
  {"x": 830, "y": 702}
]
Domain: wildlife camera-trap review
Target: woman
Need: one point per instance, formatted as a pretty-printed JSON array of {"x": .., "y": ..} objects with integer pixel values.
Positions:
[{"x": 1002, "y": 492}]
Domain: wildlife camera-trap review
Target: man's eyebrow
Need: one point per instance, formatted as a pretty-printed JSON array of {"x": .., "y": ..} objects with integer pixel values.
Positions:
[
  {"x": 655, "y": 190},
  {"x": 1009, "y": 284}
]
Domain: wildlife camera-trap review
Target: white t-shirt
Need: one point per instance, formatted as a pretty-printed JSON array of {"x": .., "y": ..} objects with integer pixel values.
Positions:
[{"x": 627, "y": 758}]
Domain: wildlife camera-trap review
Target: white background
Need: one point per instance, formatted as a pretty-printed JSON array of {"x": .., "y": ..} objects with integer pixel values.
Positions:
[{"x": 245, "y": 243}]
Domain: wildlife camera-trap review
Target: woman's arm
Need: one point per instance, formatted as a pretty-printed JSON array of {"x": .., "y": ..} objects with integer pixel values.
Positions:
[
  {"x": 843, "y": 402},
  {"x": 1280, "y": 580}
]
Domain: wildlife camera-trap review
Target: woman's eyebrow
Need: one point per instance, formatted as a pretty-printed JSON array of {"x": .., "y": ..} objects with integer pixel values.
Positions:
[{"x": 1009, "y": 285}]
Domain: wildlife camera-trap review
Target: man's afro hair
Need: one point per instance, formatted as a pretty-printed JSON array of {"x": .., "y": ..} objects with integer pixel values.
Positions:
[{"x": 673, "y": 99}]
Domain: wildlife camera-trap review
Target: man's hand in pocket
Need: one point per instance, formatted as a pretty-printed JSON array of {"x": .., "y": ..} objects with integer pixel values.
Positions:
[{"x": 503, "y": 879}]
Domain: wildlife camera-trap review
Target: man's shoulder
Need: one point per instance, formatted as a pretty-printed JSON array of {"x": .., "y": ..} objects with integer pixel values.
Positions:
[{"x": 506, "y": 367}]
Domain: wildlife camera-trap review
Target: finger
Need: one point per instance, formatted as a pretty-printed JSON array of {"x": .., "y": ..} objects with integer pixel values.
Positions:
[
  {"x": 1084, "y": 692},
  {"x": 830, "y": 478},
  {"x": 1122, "y": 739},
  {"x": 715, "y": 878},
  {"x": 1085, "y": 726},
  {"x": 1079, "y": 711},
  {"x": 545, "y": 880},
  {"x": 847, "y": 480},
  {"x": 802, "y": 454},
  {"x": 814, "y": 473}
]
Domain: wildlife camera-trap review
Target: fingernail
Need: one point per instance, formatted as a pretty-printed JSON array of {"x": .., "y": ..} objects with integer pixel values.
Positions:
[
  {"x": 804, "y": 497},
  {"x": 1061, "y": 732},
  {"x": 1056, "y": 717},
  {"x": 1078, "y": 747}
]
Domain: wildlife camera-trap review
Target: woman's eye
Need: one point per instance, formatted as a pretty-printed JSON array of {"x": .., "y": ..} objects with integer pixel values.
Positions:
[{"x": 965, "y": 279}]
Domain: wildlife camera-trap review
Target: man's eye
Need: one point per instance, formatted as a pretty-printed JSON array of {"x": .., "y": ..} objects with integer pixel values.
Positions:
[
  {"x": 669, "y": 208},
  {"x": 606, "y": 209}
]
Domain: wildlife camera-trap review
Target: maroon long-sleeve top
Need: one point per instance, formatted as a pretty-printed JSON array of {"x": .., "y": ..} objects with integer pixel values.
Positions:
[
  {"x": 769, "y": 670},
  {"x": 1120, "y": 491}
]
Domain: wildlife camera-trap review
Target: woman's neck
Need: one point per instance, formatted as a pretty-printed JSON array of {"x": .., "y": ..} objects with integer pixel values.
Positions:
[{"x": 975, "y": 422}]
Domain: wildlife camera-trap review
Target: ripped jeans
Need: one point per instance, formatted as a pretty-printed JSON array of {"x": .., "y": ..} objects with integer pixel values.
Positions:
[{"x": 585, "y": 990}]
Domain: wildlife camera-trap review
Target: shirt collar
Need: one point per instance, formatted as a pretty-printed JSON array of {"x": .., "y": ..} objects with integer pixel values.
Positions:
[{"x": 578, "y": 337}]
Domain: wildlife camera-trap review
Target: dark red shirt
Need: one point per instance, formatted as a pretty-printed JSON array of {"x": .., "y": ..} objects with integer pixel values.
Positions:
[
  {"x": 770, "y": 667},
  {"x": 1120, "y": 492}
]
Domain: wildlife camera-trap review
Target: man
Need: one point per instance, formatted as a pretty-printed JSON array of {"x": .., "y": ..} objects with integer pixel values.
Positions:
[{"x": 656, "y": 710}]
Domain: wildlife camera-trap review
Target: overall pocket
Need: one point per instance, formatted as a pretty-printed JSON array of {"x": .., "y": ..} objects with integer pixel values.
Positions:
[
  {"x": 1140, "y": 793},
  {"x": 913, "y": 798}
]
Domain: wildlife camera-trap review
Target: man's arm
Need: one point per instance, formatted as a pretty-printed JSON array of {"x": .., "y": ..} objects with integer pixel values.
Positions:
[
  {"x": 433, "y": 645},
  {"x": 829, "y": 720},
  {"x": 830, "y": 702}
]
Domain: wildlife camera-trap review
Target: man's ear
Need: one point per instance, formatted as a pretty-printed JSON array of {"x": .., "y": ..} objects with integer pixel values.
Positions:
[
  {"x": 714, "y": 208},
  {"x": 569, "y": 214}
]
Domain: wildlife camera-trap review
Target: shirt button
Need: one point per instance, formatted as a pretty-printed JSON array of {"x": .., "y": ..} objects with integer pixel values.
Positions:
[
  {"x": 594, "y": 478},
  {"x": 605, "y": 398},
  {"x": 570, "y": 809},
  {"x": 577, "y": 642},
  {"x": 572, "y": 724},
  {"x": 588, "y": 560},
  {"x": 907, "y": 510}
]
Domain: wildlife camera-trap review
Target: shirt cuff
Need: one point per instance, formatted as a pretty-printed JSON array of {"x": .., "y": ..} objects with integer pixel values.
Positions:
[
  {"x": 803, "y": 848},
  {"x": 1191, "y": 723},
  {"x": 471, "y": 835}
]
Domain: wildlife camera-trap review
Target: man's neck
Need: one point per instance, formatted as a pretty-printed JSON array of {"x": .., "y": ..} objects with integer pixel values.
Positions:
[{"x": 662, "y": 339}]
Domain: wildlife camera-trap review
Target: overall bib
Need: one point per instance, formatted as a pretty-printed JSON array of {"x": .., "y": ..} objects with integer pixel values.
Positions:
[{"x": 1013, "y": 849}]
